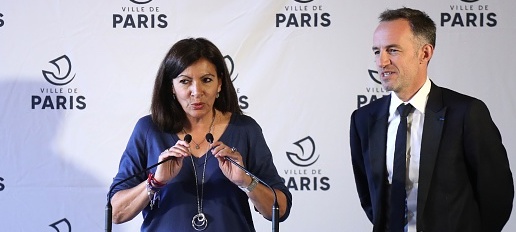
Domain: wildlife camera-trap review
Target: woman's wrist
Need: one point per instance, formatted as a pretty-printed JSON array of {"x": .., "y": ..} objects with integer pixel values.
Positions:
[
  {"x": 251, "y": 186},
  {"x": 153, "y": 188}
]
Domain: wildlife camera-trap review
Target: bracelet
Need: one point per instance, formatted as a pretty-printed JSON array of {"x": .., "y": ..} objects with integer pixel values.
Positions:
[
  {"x": 154, "y": 182},
  {"x": 153, "y": 187}
]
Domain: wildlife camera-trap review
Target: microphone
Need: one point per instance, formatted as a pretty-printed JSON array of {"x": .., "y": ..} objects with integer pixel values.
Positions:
[
  {"x": 275, "y": 206},
  {"x": 187, "y": 138},
  {"x": 109, "y": 208}
]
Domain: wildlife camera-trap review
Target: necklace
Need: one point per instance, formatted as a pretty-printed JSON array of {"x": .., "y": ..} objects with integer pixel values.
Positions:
[
  {"x": 198, "y": 145},
  {"x": 199, "y": 221}
]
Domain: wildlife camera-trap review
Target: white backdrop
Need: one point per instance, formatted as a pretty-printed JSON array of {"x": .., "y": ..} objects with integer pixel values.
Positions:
[{"x": 76, "y": 75}]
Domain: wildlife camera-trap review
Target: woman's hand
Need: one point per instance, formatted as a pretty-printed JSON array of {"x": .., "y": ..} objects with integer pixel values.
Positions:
[
  {"x": 231, "y": 171},
  {"x": 168, "y": 170}
]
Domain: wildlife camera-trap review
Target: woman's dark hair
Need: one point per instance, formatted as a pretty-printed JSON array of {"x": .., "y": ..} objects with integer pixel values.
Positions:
[
  {"x": 166, "y": 112},
  {"x": 423, "y": 27}
]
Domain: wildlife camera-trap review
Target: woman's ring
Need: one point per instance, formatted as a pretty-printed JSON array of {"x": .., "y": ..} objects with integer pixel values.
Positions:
[{"x": 233, "y": 149}]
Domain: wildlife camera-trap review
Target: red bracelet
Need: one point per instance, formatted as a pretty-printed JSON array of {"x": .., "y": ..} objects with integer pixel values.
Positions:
[{"x": 152, "y": 181}]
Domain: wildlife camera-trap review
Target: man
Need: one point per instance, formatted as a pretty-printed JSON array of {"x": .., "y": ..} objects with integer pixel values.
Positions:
[{"x": 454, "y": 166}]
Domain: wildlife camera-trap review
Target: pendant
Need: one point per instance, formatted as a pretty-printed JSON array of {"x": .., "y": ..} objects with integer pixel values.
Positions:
[
  {"x": 199, "y": 222},
  {"x": 197, "y": 146}
]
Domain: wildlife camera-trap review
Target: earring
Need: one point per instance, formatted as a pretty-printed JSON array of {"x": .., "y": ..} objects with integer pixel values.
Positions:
[
  {"x": 217, "y": 95},
  {"x": 174, "y": 96}
]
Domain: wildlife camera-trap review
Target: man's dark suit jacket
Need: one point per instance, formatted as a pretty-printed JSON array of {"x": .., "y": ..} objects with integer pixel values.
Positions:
[{"x": 465, "y": 182}]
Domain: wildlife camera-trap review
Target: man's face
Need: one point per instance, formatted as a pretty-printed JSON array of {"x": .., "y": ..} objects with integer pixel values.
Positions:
[{"x": 397, "y": 56}]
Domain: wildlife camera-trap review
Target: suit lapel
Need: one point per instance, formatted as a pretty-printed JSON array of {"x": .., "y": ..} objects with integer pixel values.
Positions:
[
  {"x": 432, "y": 130},
  {"x": 378, "y": 141},
  {"x": 378, "y": 146}
]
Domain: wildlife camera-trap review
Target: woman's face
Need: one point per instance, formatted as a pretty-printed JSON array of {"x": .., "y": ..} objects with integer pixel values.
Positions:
[{"x": 196, "y": 88}]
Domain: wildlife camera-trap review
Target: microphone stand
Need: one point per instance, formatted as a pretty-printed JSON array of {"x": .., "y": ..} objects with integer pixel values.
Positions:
[
  {"x": 109, "y": 208},
  {"x": 275, "y": 206}
]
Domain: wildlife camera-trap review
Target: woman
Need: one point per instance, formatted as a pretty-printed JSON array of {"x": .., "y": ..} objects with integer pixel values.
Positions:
[{"x": 198, "y": 189}]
